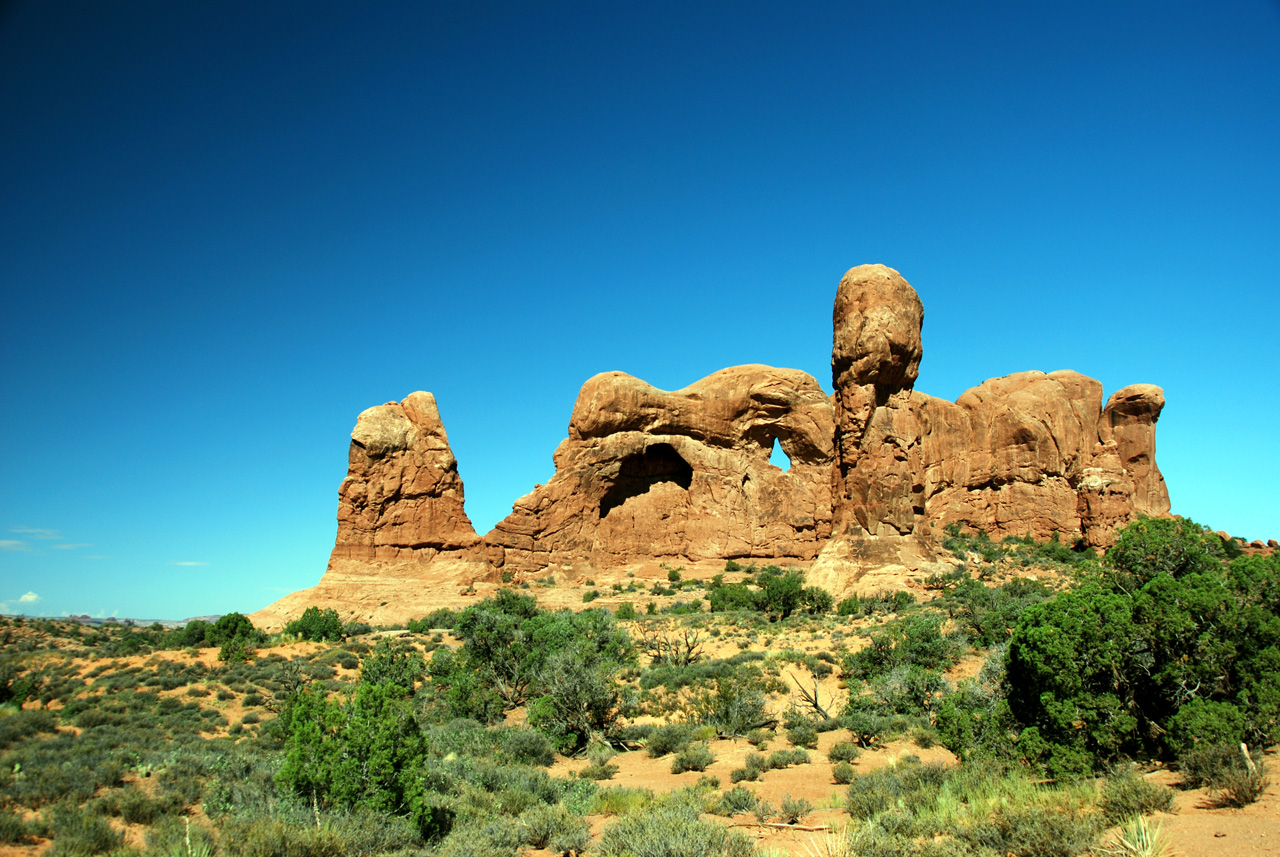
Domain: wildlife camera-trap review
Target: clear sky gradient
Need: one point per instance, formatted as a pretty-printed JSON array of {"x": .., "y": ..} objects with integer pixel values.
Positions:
[{"x": 227, "y": 228}]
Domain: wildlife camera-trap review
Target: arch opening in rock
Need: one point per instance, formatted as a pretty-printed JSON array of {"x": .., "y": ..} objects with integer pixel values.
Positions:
[
  {"x": 641, "y": 471},
  {"x": 779, "y": 458}
]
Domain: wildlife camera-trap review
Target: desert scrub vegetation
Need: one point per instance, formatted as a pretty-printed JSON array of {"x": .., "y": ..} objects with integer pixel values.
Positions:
[{"x": 407, "y": 745}]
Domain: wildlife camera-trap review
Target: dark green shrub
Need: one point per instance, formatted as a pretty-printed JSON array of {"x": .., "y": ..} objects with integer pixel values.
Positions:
[
  {"x": 234, "y": 626},
  {"x": 814, "y": 601},
  {"x": 626, "y": 612},
  {"x": 390, "y": 663},
  {"x": 543, "y": 824},
  {"x": 737, "y": 799},
  {"x": 23, "y": 724},
  {"x": 1125, "y": 793},
  {"x": 1036, "y": 831},
  {"x": 526, "y": 747},
  {"x": 194, "y": 634},
  {"x": 1205, "y": 763},
  {"x": 1149, "y": 547},
  {"x": 791, "y": 811},
  {"x": 77, "y": 833},
  {"x": 803, "y": 735},
  {"x": 671, "y": 830},
  {"x": 668, "y": 738},
  {"x": 786, "y": 758},
  {"x": 909, "y": 641},
  {"x": 598, "y": 771},
  {"x": 844, "y": 751},
  {"x": 276, "y": 837},
  {"x": 13, "y": 830},
  {"x": 236, "y": 651},
  {"x": 731, "y": 597},
  {"x": 781, "y": 593},
  {"x": 881, "y": 602},
  {"x": 1240, "y": 786},
  {"x": 361, "y": 753},
  {"x": 443, "y": 619},
  {"x": 316, "y": 624},
  {"x": 695, "y": 757},
  {"x": 734, "y": 704},
  {"x": 1191, "y": 655},
  {"x": 842, "y": 773}
]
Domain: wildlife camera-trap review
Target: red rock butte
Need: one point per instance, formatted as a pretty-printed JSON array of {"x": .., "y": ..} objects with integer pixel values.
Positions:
[{"x": 648, "y": 476}]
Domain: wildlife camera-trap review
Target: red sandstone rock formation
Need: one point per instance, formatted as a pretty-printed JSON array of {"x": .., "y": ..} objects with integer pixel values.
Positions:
[
  {"x": 402, "y": 496},
  {"x": 684, "y": 474},
  {"x": 875, "y": 471},
  {"x": 1026, "y": 454},
  {"x": 402, "y": 531}
]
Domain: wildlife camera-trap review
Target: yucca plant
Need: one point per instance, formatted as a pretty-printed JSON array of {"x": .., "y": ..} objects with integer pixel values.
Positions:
[{"x": 1139, "y": 838}]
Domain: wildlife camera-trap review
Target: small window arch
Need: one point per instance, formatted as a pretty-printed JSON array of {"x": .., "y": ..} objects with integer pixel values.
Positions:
[{"x": 778, "y": 457}]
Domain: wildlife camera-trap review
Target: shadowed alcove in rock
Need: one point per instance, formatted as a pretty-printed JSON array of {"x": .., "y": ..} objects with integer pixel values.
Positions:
[{"x": 641, "y": 471}]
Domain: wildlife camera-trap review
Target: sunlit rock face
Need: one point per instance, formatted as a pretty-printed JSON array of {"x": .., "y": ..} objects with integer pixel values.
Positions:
[
  {"x": 402, "y": 496},
  {"x": 1031, "y": 453},
  {"x": 877, "y": 471},
  {"x": 683, "y": 474}
]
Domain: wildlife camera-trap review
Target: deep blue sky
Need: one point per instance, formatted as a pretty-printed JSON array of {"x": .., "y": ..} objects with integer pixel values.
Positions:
[{"x": 227, "y": 228}]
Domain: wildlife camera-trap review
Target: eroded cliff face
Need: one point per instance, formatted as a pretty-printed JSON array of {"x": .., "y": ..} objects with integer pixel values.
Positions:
[
  {"x": 683, "y": 474},
  {"x": 877, "y": 471},
  {"x": 402, "y": 496},
  {"x": 1026, "y": 454}
]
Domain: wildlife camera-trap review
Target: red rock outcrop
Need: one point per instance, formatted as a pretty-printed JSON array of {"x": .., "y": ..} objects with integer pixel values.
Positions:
[
  {"x": 402, "y": 496},
  {"x": 1027, "y": 454},
  {"x": 684, "y": 474},
  {"x": 404, "y": 539},
  {"x": 876, "y": 471}
]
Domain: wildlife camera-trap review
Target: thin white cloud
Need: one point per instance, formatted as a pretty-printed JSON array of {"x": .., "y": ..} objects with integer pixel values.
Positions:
[
  {"x": 29, "y": 598},
  {"x": 36, "y": 532},
  {"x": 4, "y": 607},
  {"x": 14, "y": 545},
  {"x": 188, "y": 563},
  {"x": 72, "y": 546}
]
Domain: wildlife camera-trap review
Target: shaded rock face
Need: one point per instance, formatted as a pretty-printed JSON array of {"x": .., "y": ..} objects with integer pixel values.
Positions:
[
  {"x": 684, "y": 474},
  {"x": 402, "y": 496},
  {"x": 1027, "y": 454}
]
